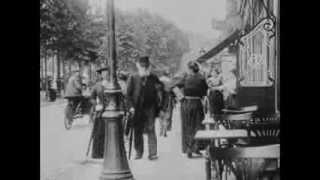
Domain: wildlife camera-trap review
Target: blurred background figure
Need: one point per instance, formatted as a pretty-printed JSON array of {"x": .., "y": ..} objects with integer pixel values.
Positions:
[
  {"x": 168, "y": 104},
  {"x": 215, "y": 96},
  {"x": 51, "y": 93},
  {"x": 122, "y": 79},
  {"x": 229, "y": 89}
]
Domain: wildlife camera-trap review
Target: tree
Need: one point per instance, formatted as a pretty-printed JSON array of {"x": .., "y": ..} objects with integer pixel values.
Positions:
[{"x": 68, "y": 30}]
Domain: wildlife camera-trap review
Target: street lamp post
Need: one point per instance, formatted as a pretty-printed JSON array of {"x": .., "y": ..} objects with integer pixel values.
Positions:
[
  {"x": 115, "y": 165},
  {"x": 277, "y": 59}
]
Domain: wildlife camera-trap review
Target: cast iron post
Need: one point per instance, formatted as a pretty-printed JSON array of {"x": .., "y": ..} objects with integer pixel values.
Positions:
[
  {"x": 115, "y": 165},
  {"x": 277, "y": 64}
]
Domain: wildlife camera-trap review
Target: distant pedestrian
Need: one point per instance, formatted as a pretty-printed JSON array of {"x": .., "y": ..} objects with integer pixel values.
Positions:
[
  {"x": 123, "y": 78},
  {"x": 215, "y": 83},
  {"x": 194, "y": 88},
  {"x": 51, "y": 93},
  {"x": 229, "y": 89},
  {"x": 168, "y": 104},
  {"x": 143, "y": 94}
]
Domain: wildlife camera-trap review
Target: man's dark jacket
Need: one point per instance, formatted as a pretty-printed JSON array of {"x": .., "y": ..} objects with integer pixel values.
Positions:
[{"x": 138, "y": 94}]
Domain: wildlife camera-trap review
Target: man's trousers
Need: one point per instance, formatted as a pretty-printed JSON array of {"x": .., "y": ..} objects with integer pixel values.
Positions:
[{"x": 145, "y": 124}]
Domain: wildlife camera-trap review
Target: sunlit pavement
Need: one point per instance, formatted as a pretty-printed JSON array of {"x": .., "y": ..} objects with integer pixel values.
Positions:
[{"x": 63, "y": 153}]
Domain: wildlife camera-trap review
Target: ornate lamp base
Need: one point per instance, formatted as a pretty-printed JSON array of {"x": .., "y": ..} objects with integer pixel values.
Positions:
[
  {"x": 115, "y": 165},
  {"x": 117, "y": 175}
]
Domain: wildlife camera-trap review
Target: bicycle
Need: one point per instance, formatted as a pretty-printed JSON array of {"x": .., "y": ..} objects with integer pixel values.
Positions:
[{"x": 75, "y": 109}]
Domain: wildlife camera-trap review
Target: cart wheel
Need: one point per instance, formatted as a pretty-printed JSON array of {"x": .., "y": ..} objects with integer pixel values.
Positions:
[{"x": 68, "y": 117}]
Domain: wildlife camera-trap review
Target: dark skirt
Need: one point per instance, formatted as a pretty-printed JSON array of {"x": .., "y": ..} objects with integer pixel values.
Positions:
[
  {"x": 216, "y": 102},
  {"x": 98, "y": 138},
  {"x": 192, "y": 116}
]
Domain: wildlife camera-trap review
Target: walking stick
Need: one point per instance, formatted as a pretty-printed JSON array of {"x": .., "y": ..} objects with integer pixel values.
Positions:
[
  {"x": 130, "y": 125},
  {"x": 130, "y": 142}
]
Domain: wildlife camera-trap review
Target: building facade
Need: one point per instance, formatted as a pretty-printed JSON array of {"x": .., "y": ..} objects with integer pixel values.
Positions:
[
  {"x": 257, "y": 54},
  {"x": 252, "y": 38}
]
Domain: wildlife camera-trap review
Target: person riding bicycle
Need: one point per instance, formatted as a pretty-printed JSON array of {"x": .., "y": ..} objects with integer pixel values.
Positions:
[{"x": 74, "y": 89}]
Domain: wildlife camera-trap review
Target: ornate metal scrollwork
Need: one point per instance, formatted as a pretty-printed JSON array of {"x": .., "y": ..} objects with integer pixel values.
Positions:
[
  {"x": 269, "y": 26},
  {"x": 256, "y": 66}
]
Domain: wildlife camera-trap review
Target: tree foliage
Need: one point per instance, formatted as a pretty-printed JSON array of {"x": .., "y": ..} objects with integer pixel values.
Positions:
[
  {"x": 65, "y": 26},
  {"x": 142, "y": 33}
]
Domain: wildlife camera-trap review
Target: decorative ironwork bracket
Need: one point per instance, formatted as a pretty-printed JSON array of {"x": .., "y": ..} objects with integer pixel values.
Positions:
[
  {"x": 265, "y": 27},
  {"x": 268, "y": 25}
]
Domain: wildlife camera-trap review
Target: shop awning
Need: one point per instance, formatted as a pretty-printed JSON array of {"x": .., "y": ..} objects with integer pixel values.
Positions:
[{"x": 223, "y": 44}]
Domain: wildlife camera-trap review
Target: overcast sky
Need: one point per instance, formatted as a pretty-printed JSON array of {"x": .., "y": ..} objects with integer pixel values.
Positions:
[{"x": 189, "y": 15}]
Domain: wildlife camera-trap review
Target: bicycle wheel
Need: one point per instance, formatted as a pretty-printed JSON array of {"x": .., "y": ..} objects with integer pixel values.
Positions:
[{"x": 68, "y": 117}]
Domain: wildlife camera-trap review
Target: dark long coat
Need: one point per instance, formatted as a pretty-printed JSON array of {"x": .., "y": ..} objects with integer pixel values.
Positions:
[{"x": 135, "y": 95}]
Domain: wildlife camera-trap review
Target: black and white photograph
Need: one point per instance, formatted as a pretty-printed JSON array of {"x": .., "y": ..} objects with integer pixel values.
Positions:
[{"x": 159, "y": 89}]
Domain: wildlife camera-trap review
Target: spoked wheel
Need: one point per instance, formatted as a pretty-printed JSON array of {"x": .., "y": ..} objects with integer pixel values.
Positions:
[{"x": 68, "y": 117}]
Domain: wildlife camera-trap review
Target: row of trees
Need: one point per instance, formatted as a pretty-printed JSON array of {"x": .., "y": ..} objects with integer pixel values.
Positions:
[
  {"x": 142, "y": 33},
  {"x": 70, "y": 33},
  {"x": 66, "y": 30}
]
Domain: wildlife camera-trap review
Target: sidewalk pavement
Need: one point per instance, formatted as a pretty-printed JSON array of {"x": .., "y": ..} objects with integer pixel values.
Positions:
[{"x": 171, "y": 165}]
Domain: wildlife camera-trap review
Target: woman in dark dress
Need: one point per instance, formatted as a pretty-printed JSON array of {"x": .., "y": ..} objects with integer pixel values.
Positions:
[
  {"x": 194, "y": 88},
  {"x": 98, "y": 101}
]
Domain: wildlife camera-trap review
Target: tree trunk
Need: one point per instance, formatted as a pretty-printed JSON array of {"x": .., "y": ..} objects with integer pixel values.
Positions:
[
  {"x": 42, "y": 70},
  {"x": 90, "y": 71},
  {"x": 45, "y": 71},
  {"x": 79, "y": 66},
  {"x": 63, "y": 67},
  {"x": 45, "y": 65},
  {"x": 58, "y": 73},
  {"x": 52, "y": 64},
  {"x": 278, "y": 58},
  {"x": 58, "y": 65},
  {"x": 69, "y": 66}
]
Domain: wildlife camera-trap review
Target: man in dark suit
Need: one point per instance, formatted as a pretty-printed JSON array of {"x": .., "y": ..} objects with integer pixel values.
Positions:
[{"x": 144, "y": 98}]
